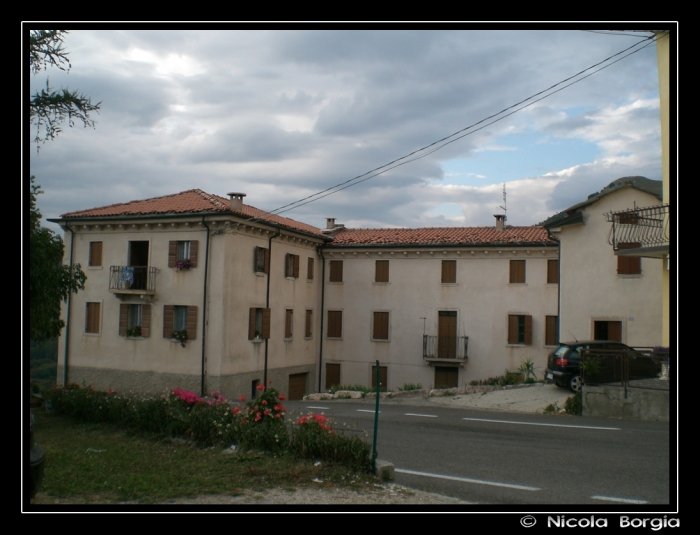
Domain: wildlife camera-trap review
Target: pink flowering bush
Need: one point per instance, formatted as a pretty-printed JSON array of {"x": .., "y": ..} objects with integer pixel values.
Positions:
[{"x": 261, "y": 423}]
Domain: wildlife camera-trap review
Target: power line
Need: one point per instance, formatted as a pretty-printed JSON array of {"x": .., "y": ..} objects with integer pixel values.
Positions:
[{"x": 439, "y": 144}]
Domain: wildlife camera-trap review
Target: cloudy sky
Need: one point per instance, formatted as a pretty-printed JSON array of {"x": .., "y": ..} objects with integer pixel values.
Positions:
[{"x": 284, "y": 114}]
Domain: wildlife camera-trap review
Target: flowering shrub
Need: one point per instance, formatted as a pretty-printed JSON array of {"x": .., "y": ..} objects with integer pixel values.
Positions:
[
  {"x": 262, "y": 422},
  {"x": 181, "y": 265},
  {"x": 180, "y": 336}
]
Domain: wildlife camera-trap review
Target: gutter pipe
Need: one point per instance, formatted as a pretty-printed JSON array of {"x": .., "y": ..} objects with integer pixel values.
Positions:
[
  {"x": 204, "y": 308},
  {"x": 320, "y": 334},
  {"x": 267, "y": 298}
]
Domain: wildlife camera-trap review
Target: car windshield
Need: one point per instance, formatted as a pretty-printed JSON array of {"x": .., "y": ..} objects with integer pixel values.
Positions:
[{"x": 561, "y": 350}]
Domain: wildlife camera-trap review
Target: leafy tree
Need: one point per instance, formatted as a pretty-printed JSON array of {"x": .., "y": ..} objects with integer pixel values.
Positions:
[
  {"x": 50, "y": 281},
  {"x": 49, "y": 108}
]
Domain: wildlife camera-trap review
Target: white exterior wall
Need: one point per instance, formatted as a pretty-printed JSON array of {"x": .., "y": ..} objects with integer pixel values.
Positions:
[
  {"x": 154, "y": 364},
  {"x": 592, "y": 290},
  {"x": 482, "y": 298}
]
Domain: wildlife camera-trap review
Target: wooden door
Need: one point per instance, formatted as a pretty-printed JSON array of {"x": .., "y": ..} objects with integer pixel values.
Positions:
[
  {"x": 447, "y": 335},
  {"x": 382, "y": 379},
  {"x": 332, "y": 375},
  {"x": 297, "y": 386}
]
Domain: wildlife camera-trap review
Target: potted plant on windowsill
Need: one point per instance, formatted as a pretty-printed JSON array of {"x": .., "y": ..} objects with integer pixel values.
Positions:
[
  {"x": 133, "y": 332},
  {"x": 180, "y": 336},
  {"x": 183, "y": 265},
  {"x": 258, "y": 335}
]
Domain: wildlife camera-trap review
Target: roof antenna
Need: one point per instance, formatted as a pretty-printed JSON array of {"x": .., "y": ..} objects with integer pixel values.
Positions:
[
  {"x": 572, "y": 335},
  {"x": 505, "y": 212}
]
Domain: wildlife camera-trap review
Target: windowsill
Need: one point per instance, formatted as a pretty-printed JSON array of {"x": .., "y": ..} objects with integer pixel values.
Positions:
[
  {"x": 335, "y": 282},
  {"x": 308, "y": 337},
  {"x": 381, "y": 283},
  {"x": 94, "y": 267},
  {"x": 135, "y": 337},
  {"x": 380, "y": 340},
  {"x": 259, "y": 273},
  {"x": 257, "y": 340},
  {"x": 552, "y": 284},
  {"x": 517, "y": 284},
  {"x": 629, "y": 275},
  {"x": 309, "y": 280},
  {"x": 518, "y": 345},
  {"x": 288, "y": 339},
  {"x": 92, "y": 335},
  {"x": 290, "y": 278},
  {"x": 449, "y": 284},
  {"x": 333, "y": 338},
  {"x": 551, "y": 345}
]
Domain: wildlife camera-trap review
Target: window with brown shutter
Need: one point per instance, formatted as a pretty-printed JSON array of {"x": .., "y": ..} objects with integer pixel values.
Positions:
[
  {"x": 310, "y": 269},
  {"x": 551, "y": 330},
  {"x": 335, "y": 324},
  {"x": 183, "y": 250},
  {"x": 288, "y": 319},
  {"x": 95, "y": 254},
  {"x": 629, "y": 265},
  {"x": 291, "y": 266},
  {"x": 552, "y": 271},
  {"x": 92, "y": 318},
  {"x": 336, "y": 271},
  {"x": 261, "y": 260},
  {"x": 309, "y": 323},
  {"x": 380, "y": 329},
  {"x": 381, "y": 271},
  {"x": 179, "y": 318},
  {"x": 517, "y": 271},
  {"x": 259, "y": 323},
  {"x": 449, "y": 272},
  {"x": 607, "y": 330},
  {"x": 134, "y": 320},
  {"x": 520, "y": 329}
]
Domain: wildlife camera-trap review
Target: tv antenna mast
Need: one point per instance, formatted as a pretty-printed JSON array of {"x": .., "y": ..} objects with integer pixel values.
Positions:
[{"x": 505, "y": 211}]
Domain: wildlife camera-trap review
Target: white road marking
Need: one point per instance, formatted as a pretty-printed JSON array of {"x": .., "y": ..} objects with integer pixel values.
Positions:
[
  {"x": 424, "y": 415},
  {"x": 322, "y": 408},
  {"x": 365, "y": 410},
  {"x": 618, "y": 500},
  {"x": 535, "y": 423},
  {"x": 465, "y": 479}
]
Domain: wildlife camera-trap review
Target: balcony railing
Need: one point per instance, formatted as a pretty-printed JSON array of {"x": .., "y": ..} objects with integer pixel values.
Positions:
[
  {"x": 445, "y": 347},
  {"x": 639, "y": 228},
  {"x": 132, "y": 279}
]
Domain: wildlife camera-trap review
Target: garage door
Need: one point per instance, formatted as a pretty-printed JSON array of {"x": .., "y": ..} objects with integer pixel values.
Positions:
[
  {"x": 297, "y": 386},
  {"x": 382, "y": 378}
]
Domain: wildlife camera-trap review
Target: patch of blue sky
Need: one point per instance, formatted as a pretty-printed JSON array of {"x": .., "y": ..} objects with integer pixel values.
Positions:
[{"x": 518, "y": 156}]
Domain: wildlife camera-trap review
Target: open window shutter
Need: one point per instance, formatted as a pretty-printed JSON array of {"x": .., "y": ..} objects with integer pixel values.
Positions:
[
  {"x": 296, "y": 266},
  {"x": 146, "y": 321},
  {"x": 191, "y": 322},
  {"x": 309, "y": 317},
  {"x": 123, "y": 318},
  {"x": 528, "y": 330},
  {"x": 615, "y": 331},
  {"x": 168, "y": 317},
  {"x": 512, "y": 329},
  {"x": 266, "y": 323},
  {"x": 288, "y": 323},
  {"x": 310, "y": 269},
  {"x": 172, "y": 254},
  {"x": 251, "y": 324},
  {"x": 267, "y": 260},
  {"x": 194, "y": 247}
]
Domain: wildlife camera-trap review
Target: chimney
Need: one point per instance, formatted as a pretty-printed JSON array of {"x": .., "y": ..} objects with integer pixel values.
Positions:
[
  {"x": 330, "y": 223},
  {"x": 500, "y": 221},
  {"x": 236, "y": 201}
]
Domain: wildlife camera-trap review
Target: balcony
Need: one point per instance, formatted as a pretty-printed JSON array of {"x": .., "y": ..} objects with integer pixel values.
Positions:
[
  {"x": 445, "y": 348},
  {"x": 640, "y": 231},
  {"x": 134, "y": 280}
]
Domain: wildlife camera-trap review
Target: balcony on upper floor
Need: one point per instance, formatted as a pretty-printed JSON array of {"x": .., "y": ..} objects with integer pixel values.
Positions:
[
  {"x": 640, "y": 231},
  {"x": 134, "y": 280},
  {"x": 445, "y": 348}
]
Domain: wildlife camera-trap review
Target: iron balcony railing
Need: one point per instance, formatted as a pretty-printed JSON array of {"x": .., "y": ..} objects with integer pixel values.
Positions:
[
  {"x": 445, "y": 347},
  {"x": 134, "y": 279},
  {"x": 639, "y": 227}
]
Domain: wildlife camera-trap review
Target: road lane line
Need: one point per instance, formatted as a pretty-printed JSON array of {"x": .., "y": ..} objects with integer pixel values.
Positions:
[
  {"x": 365, "y": 410},
  {"x": 465, "y": 479},
  {"x": 618, "y": 500},
  {"x": 322, "y": 408},
  {"x": 423, "y": 415},
  {"x": 535, "y": 423}
]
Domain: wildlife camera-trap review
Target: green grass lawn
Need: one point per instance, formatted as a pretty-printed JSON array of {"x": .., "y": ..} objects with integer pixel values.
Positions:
[{"x": 101, "y": 463}]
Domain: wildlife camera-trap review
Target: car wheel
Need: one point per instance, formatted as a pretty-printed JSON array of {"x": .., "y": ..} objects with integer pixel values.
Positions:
[{"x": 575, "y": 383}]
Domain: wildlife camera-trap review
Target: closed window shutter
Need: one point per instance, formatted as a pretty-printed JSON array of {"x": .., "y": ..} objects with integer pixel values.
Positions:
[
  {"x": 381, "y": 272},
  {"x": 336, "y": 274},
  {"x": 194, "y": 248},
  {"x": 95, "y": 253},
  {"x": 550, "y": 336},
  {"x": 191, "y": 322},
  {"x": 615, "y": 331},
  {"x": 145, "y": 321},
  {"x": 335, "y": 324},
  {"x": 528, "y": 331},
  {"x": 168, "y": 318},
  {"x": 310, "y": 269},
  {"x": 123, "y": 318},
  {"x": 552, "y": 271},
  {"x": 381, "y": 326},
  {"x": 517, "y": 271},
  {"x": 92, "y": 319},
  {"x": 172, "y": 254},
  {"x": 288, "y": 323},
  {"x": 295, "y": 272},
  {"x": 266, "y": 323},
  {"x": 307, "y": 330},
  {"x": 449, "y": 271},
  {"x": 629, "y": 265},
  {"x": 512, "y": 329},
  {"x": 251, "y": 324}
]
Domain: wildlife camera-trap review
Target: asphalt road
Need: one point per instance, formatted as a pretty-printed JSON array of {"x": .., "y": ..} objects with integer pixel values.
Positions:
[{"x": 487, "y": 456}]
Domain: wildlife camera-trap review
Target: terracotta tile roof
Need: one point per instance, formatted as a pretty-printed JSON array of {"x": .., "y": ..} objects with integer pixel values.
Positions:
[
  {"x": 441, "y": 236},
  {"x": 187, "y": 202}
]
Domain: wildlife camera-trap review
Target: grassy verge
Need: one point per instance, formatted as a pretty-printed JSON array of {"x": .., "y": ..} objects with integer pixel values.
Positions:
[{"x": 101, "y": 463}]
